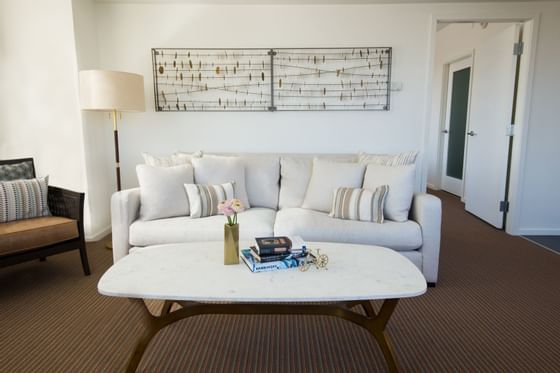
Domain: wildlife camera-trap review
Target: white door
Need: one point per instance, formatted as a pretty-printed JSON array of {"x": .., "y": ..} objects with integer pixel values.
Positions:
[
  {"x": 455, "y": 129},
  {"x": 492, "y": 89}
]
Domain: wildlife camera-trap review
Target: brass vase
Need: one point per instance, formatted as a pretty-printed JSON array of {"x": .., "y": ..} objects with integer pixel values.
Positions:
[{"x": 231, "y": 244}]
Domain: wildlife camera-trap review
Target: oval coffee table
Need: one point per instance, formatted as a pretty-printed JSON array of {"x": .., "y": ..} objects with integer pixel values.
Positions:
[{"x": 192, "y": 274}]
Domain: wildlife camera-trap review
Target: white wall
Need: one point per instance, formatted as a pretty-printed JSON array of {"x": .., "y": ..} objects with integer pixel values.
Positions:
[
  {"x": 97, "y": 129},
  {"x": 453, "y": 42},
  {"x": 127, "y": 32},
  {"x": 39, "y": 112}
]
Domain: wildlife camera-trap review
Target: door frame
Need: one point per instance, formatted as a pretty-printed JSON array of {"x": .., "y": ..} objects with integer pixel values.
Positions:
[
  {"x": 445, "y": 114},
  {"x": 531, "y": 21}
]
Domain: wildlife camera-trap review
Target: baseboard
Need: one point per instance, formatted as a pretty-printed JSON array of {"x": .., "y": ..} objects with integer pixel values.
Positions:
[
  {"x": 96, "y": 236},
  {"x": 432, "y": 186},
  {"x": 539, "y": 231}
]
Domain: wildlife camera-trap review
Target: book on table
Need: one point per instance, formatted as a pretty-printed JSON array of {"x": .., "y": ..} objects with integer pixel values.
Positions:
[
  {"x": 290, "y": 261},
  {"x": 279, "y": 245}
]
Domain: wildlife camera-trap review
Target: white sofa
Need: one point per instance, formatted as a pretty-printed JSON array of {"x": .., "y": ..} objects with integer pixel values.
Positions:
[{"x": 275, "y": 194}]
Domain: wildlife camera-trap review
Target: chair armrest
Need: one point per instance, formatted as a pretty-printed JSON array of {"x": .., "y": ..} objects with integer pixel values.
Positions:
[
  {"x": 426, "y": 211},
  {"x": 125, "y": 206},
  {"x": 67, "y": 203}
]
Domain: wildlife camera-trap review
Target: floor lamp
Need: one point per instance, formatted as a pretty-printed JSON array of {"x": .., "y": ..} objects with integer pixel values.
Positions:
[{"x": 112, "y": 91}]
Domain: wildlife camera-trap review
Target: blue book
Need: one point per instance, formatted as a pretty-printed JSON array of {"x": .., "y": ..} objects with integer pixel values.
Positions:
[{"x": 255, "y": 266}]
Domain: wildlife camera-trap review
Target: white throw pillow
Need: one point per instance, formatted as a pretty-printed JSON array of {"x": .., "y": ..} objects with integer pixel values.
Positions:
[
  {"x": 175, "y": 159},
  {"x": 399, "y": 159},
  {"x": 401, "y": 188},
  {"x": 295, "y": 173},
  {"x": 220, "y": 170},
  {"x": 162, "y": 192},
  {"x": 328, "y": 176},
  {"x": 204, "y": 199}
]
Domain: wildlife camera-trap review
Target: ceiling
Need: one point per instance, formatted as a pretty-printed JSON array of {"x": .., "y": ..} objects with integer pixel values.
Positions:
[{"x": 307, "y": 2}]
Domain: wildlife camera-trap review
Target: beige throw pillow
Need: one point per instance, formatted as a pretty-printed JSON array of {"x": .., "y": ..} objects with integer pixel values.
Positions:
[
  {"x": 359, "y": 204},
  {"x": 400, "y": 180},
  {"x": 327, "y": 176},
  {"x": 175, "y": 159},
  {"x": 204, "y": 199},
  {"x": 399, "y": 159}
]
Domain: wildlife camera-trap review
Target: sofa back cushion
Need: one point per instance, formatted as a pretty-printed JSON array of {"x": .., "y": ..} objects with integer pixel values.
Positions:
[
  {"x": 162, "y": 191},
  {"x": 23, "y": 199},
  {"x": 295, "y": 173},
  {"x": 262, "y": 178},
  {"x": 400, "y": 180}
]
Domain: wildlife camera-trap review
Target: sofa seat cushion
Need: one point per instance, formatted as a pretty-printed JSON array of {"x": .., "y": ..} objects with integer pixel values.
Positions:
[
  {"x": 253, "y": 223},
  {"x": 318, "y": 226},
  {"x": 27, "y": 234}
]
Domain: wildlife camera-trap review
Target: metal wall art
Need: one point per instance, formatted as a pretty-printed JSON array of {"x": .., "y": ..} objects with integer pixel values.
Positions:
[{"x": 272, "y": 79}]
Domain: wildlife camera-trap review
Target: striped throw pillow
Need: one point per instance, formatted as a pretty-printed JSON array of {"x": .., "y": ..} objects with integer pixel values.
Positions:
[
  {"x": 204, "y": 199},
  {"x": 400, "y": 159},
  {"x": 359, "y": 204},
  {"x": 23, "y": 199}
]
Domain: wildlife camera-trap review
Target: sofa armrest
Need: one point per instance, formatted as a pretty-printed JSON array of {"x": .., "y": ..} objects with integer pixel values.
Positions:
[
  {"x": 426, "y": 211},
  {"x": 125, "y": 207}
]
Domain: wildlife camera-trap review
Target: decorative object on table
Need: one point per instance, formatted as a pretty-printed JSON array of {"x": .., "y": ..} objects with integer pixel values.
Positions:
[
  {"x": 280, "y": 79},
  {"x": 112, "y": 91},
  {"x": 314, "y": 258},
  {"x": 230, "y": 208}
]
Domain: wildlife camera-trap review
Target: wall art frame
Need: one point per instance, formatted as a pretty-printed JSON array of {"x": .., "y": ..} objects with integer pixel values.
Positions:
[{"x": 272, "y": 79}]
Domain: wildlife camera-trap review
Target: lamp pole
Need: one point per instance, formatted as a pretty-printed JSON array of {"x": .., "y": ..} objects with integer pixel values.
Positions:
[{"x": 117, "y": 161}]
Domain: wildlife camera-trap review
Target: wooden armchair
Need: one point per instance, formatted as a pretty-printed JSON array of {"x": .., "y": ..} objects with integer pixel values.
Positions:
[{"x": 37, "y": 238}]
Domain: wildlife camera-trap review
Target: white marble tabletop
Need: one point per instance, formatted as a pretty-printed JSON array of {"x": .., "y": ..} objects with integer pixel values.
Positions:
[{"x": 195, "y": 272}]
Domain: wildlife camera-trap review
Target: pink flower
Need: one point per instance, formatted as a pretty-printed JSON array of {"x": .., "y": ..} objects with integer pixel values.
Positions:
[
  {"x": 228, "y": 211},
  {"x": 230, "y": 208}
]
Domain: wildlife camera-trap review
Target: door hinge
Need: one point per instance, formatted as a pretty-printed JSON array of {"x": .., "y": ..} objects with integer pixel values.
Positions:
[
  {"x": 518, "y": 48},
  {"x": 510, "y": 130},
  {"x": 504, "y": 206}
]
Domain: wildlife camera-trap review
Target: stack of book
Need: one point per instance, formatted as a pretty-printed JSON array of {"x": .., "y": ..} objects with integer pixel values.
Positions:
[{"x": 273, "y": 253}]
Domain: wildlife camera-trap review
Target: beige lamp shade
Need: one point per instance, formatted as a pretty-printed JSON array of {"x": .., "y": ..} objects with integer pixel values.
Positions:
[{"x": 111, "y": 90}]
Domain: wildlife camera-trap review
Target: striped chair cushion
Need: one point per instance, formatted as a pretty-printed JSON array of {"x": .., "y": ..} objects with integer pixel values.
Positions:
[
  {"x": 23, "y": 199},
  {"x": 401, "y": 159},
  {"x": 16, "y": 171},
  {"x": 204, "y": 199},
  {"x": 359, "y": 204}
]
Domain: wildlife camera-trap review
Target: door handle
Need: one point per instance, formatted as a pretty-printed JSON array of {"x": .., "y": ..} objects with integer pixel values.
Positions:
[
  {"x": 445, "y": 131},
  {"x": 471, "y": 133}
]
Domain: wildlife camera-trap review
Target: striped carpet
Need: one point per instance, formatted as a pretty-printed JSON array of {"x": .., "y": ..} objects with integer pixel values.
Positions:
[{"x": 495, "y": 309}]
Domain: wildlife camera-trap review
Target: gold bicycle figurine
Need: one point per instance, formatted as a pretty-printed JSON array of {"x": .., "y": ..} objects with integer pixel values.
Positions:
[{"x": 319, "y": 260}]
